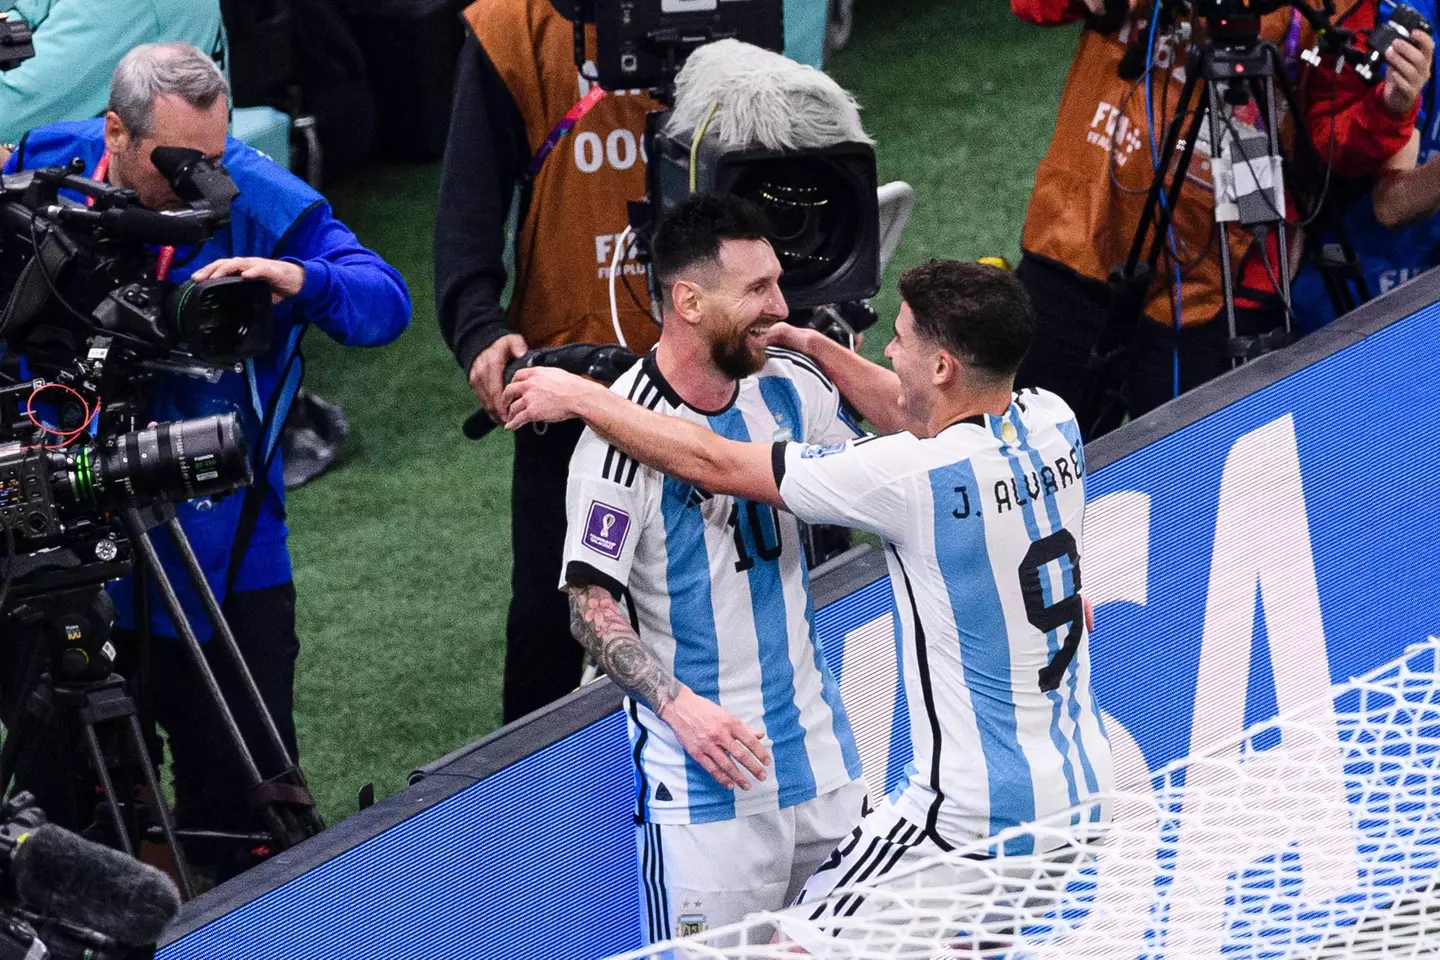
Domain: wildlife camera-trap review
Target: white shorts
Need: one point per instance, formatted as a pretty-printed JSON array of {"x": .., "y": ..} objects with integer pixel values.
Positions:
[
  {"x": 890, "y": 843},
  {"x": 699, "y": 876}
]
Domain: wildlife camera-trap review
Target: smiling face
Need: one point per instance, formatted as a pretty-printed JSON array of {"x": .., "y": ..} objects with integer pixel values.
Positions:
[
  {"x": 175, "y": 124},
  {"x": 739, "y": 301}
]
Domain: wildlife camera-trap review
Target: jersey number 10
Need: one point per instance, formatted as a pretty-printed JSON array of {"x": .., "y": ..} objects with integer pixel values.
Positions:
[{"x": 757, "y": 533}]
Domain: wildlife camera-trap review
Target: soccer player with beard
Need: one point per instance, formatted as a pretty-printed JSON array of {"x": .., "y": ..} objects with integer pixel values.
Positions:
[{"x": 698, "y": 605}]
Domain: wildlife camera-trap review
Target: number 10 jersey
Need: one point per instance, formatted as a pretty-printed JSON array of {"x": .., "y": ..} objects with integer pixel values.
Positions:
[
  {"x": 718, "y": 591},
  {"x": 983, "y": 528}
]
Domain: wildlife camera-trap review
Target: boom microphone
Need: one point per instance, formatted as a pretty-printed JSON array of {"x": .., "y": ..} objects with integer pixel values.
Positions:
[{"x": 59, "y": 874}]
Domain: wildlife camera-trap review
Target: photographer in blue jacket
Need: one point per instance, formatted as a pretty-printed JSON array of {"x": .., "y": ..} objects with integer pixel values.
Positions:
[{"x": 284, "y": 232}]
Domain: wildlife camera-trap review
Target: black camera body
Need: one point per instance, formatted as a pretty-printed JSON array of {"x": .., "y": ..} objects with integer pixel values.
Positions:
[
  {"x": 1404, "y": 21},
  {"x": 16, "y": 42},
  {"x": 68, "y": 270},
  {"x": 821, "y": 205},
  {"x": 81, "y": 303},
  {"x": 643, "y": 43},
  {"x": 1232, "y": 9}
]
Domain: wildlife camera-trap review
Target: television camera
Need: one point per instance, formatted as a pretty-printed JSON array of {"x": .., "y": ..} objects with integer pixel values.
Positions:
[{"x": 87, "y": 323}]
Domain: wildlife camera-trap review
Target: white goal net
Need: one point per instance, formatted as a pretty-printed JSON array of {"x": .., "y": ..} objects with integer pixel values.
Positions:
[{"x": 1316, "y": 835}]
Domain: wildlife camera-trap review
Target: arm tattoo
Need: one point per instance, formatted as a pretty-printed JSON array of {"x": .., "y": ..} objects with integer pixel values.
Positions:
[{"x": 597, "y": 621}]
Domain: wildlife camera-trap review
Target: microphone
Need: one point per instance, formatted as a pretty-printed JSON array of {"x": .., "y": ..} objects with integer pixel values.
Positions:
[{"x": 59, "y": 874}]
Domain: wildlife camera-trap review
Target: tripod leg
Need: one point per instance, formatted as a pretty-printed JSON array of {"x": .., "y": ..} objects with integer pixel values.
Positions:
[
  {"x": 227, "y": 640},
  {"x": 159, "y": 809},
  {"x": 1227, "y": 284},
  {"x": 107, "y": 786},
  {"x": 140, "y": 538},
  {"x": 226, "y": 636}
]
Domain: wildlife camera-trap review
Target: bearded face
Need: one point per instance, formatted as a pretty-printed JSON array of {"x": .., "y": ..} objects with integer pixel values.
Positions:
[{"x": 741, "y": 303}]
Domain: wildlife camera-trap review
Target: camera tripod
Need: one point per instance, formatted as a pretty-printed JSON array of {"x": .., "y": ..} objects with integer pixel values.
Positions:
[
  {"x": 69, "y": 688},
  {"x": 1234, "y": 67}
]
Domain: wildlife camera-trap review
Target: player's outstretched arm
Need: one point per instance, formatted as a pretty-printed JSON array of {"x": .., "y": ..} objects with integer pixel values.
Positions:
[
  {"x": 871, "y": 389},
  {"x": 675, "y": 447},
  {"x": 711, "y": 734}
]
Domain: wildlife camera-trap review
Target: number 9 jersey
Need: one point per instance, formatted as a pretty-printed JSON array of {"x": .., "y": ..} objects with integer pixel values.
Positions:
[
  {"x": 718, "y": 591},
  {"x": 983, "y": 531}
]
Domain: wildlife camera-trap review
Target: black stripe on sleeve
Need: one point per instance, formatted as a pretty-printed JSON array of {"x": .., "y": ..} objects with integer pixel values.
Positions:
[
  {"x": 578, "y": 573},
  {"x": 803, "y": 362},
  {"x": 777, "y": 461}
]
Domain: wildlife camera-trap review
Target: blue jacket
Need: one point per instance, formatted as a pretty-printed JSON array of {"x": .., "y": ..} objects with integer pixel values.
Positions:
[
  {"x": 1387, "y": 257},
  {"x": 350, "y": 293}
]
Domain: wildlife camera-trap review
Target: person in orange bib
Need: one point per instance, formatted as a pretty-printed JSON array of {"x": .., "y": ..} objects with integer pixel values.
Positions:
[
  {"x": 1091, "y": 186},
  {"x": 528, "y": 128}
]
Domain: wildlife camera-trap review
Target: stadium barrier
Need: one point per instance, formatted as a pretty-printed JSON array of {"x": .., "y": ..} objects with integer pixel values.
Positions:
[{"x": 1247, "y": 547}]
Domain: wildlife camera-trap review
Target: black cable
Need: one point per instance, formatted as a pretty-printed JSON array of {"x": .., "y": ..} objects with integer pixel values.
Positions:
[
  {"x": 40, "y": 265},
  {"x": 1249, "y": 162},
  {"x": 634, "y": 297},
  {"x": 1275, "y": 281}
]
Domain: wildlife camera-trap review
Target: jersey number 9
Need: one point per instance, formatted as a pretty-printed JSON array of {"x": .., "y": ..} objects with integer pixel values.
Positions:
[{"x": 1070, "y": 610}]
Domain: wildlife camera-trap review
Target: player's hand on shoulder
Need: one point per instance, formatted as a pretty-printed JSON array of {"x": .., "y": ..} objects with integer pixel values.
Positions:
[
  {"x": 789, "y": 337},
  {"x": 542, "y": 395},
  {"x": 716, "y": 739}
]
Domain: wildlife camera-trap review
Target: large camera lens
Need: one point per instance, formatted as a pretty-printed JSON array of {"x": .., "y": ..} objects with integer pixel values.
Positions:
[
  {"x": 223, "y": 319},
  {"x": 814, "y": 224},
  {"x": 174, "y": 461}
]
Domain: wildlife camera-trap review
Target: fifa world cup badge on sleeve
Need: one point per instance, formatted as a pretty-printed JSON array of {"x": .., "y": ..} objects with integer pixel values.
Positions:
[{"x": 606, "y": 528}]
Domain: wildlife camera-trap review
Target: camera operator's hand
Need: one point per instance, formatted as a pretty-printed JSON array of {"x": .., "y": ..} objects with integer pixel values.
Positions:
[
  {"x": 1409, "y": 63},
  {"x": 542, "y": 395},
  {"x": 285, "y": 278},
  {"x": 716, "y": 739},
  {"x": 487, "y": 373}
]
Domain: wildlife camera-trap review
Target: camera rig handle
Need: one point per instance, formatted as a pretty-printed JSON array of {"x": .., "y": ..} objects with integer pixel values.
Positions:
[{"x": 604, "y": 362}]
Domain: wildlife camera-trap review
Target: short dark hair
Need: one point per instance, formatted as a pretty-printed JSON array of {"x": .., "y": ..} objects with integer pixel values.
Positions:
[
  {"x": 978, "y": 313},
  {"x": 690, "y": 233}
]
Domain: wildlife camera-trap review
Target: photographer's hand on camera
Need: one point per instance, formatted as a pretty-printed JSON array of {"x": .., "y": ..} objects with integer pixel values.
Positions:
[
  {"x": 487, "y": 373},
  {"x": 286, "y": 278},
  {"x": 1409, "y": 71}
]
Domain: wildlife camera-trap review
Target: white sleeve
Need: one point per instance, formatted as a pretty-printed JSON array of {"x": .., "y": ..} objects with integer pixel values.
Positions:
[
  {"x": 826, "y": 420},
  {"x": 861, "y": 483},
  {"x": 609, "y": 499}
]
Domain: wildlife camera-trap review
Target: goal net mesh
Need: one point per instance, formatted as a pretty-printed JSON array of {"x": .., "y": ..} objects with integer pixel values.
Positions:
[{"x": 1314, "y": 835}]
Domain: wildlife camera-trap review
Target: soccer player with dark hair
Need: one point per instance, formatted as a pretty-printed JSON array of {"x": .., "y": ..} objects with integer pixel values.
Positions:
[
  {"x": 979, "y": 495},
  {"x": 697, "y": 604}
]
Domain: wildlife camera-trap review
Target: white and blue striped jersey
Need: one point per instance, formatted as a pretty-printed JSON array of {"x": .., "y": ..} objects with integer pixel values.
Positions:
[
  {"x": 719, "y": 592},
  {"x": 983, "y": 531}
]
